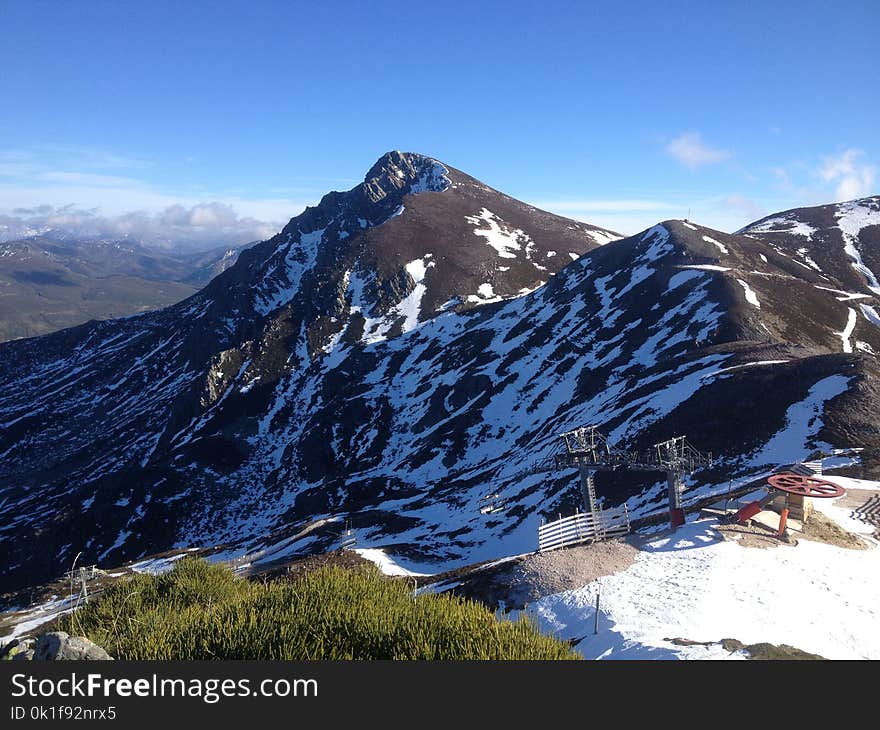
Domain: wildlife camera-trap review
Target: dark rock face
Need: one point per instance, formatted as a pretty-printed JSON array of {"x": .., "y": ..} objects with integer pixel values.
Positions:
[{"x": 400, "y": 350}]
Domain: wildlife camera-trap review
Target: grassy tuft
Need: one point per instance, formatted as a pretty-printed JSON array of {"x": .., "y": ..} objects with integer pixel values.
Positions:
[{"x": 202, "y": 611}]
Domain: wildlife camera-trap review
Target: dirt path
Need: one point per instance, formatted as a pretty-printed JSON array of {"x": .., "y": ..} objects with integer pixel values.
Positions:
[{"x": 541, "y": 574}]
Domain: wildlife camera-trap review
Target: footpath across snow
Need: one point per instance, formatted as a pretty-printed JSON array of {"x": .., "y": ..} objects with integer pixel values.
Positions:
[
  {"x": 692, "y": 584},
  {"x": 385, "y": 563}
]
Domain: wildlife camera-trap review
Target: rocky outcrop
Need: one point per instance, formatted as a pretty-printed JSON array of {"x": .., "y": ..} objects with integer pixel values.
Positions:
[
  {"x": 60, "y": 646},
  {"x": 19, "y": 649},
  {"x": 222, "y": 371}
]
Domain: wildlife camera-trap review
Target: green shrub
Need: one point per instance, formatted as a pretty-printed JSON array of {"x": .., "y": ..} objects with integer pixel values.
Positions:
[{"x": 202, "y": 611}]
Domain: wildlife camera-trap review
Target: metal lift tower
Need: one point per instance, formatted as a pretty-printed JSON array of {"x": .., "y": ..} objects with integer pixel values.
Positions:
[{"x": 588, "y": 449}]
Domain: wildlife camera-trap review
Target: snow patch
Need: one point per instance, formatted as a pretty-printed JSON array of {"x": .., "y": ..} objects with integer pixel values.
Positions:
[
  {"x": 805, "y": 254},
  {"x": 802, "y": 421},
  {"x": 751, "y": 297},
  {"x": 247, "y": 386},
  {"x": 39, "y": 615},
  {"x": 602, "y": 237},
  {"x": 449, "y": 303},
  {"x": 434, "y": 178},
  {"x": 845, "y": 296},
  {"x": 275, "y": 291},
  {"x": 385, "y": 563},
  {"x": 721, "y": 246},
  {"x": 157, "y": 566},
  {"x": 376, "y": 329},
  {"x": 784, "y": 224},
  {"x": 485, "y": 295},
  {"x": 756, "y": 363},
  {"x": 851, "y": 218},
  {"x": 676, "y": 280},
  {"x": 704, "y": 267},
  {"x": 506, "y": 241},
  {"x": 870, "y": 314},
  {"x": 848, "y": 330}
]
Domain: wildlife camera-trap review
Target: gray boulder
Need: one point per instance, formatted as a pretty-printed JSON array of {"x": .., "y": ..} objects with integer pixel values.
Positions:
[
  {"x": 16, "y": 647},
  {"x": 60, "y": 646}
]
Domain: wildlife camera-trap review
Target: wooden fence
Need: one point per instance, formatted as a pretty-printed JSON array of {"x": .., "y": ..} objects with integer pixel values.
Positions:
[{"x": 583, "y": 527}]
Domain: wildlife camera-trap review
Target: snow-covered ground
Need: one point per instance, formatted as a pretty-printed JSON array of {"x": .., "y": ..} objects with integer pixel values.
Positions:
[
  {"x": 689, "y": 584},
  {"x": 24, "y": 621},
  {"x": 158, "y": 566},
  {"x": 385, "y": 563},
  {"x": 784, "y": 224},
  {"x": 751, "y": 297},
  {"x": 851, "y": 218},
  {"x": 692, "y": 584},
  {"x": 36, "y": 616}
]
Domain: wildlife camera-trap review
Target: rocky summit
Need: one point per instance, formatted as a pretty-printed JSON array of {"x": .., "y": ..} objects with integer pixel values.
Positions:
[{"x": 404, "y": 348}]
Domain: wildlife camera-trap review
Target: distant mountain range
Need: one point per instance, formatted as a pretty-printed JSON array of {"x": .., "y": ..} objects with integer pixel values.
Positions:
[
  {"x": 50, "y": 281},
  {"x": 403, "y": 348}
]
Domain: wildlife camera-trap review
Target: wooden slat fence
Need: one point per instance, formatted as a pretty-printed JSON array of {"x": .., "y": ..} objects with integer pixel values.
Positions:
[{"x": 583, "y": 527}]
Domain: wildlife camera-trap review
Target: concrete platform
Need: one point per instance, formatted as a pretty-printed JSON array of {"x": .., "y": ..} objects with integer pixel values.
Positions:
[
  {"x": 765, "y": 518},
  {"x": 770, "y": 519}
]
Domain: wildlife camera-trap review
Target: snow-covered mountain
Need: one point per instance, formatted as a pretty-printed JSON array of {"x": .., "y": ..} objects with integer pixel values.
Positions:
[
  {"x": 405, "y": 347},
  {"x": 816, "y": 237}
]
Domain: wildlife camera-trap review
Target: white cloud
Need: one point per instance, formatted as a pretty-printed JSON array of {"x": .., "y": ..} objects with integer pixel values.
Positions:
[
  {"x": 690, "y": 150},
  {"x": 200, "y": 226},
  {"x": 854, "y": 179},
  {"x": 57, "y": 186}
]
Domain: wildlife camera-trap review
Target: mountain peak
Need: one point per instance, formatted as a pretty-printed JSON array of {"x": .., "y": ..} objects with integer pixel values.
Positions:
[
  {"x": 404, "y": 172},
  {"x": 337, "y": 369}
]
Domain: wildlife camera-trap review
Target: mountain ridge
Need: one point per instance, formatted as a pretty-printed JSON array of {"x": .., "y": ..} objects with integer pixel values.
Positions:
[{"x": 322, "y": 377}]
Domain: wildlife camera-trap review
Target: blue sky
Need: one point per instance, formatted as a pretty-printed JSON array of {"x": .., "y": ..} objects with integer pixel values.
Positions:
[{"x": 229, "y": 117}]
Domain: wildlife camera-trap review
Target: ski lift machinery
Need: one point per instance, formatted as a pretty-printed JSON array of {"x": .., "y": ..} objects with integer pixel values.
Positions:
[
  {"x": 492, "y": 503},
  {"x": 588, "y": 450}
]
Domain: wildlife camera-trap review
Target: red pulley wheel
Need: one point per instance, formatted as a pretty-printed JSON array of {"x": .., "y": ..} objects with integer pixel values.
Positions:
[{"x": 805, "y": 486}]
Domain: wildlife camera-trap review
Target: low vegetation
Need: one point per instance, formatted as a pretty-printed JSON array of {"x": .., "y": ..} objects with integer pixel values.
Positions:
[{"x": 202, "y": 611}]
